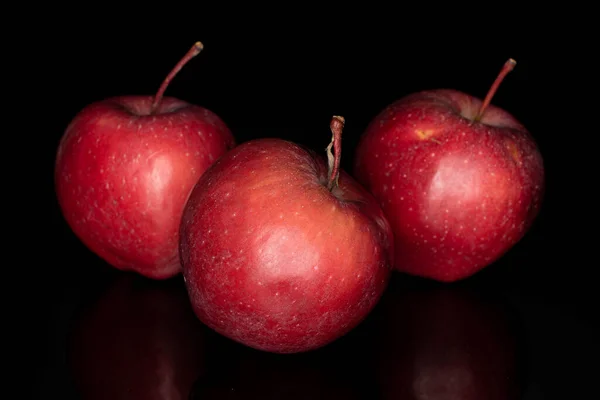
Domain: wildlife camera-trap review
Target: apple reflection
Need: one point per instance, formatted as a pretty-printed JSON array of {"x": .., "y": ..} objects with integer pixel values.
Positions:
[
  {"x": 446, "y": 343},
  {"x": 139, "y": 340}
]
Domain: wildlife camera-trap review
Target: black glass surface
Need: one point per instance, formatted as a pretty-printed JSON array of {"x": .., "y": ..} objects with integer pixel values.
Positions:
[{"x": 523, "y": 328}]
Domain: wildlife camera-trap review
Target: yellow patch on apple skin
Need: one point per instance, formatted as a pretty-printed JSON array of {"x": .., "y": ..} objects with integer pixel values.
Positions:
[
  {"x": 513, "y": 151},
  {"x": 425, "y": 134}
]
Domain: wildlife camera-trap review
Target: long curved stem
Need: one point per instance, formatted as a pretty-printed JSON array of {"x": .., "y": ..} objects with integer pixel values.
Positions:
[
  {"x": 508, "y": 66},
  {"x": 193, "y": 52}
]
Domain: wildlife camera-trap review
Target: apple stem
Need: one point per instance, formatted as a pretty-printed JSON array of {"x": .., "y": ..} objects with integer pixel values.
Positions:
[
  {"x": 508, "y": 66},
  {"x": 193, "y": 52},
  {"x": 336, "y": 125}
]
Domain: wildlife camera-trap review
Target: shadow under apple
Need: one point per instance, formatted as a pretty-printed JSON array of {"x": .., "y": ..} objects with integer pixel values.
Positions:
[
  {"x": 138, "y": 340},
  {"x": 246, "y": 373}
]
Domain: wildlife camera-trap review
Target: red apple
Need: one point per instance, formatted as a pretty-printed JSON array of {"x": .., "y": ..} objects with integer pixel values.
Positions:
[
  {"x": 446, "y": 343},
  {"x": 459, "y": 180},
  {"x": 139, "y": 340},
  {"x": 125, "y": 168},
  {"x": 280, "y": 252}
]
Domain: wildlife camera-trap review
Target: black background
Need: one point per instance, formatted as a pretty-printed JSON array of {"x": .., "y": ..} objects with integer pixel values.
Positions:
[{"x": 284, "y": 73}]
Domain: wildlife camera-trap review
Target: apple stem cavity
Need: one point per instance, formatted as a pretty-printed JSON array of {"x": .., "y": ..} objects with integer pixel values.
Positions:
[
  {"x": 508, "y": 66},
  {"x": 336, "y": 125},
  {"x": 193, "y": 52}
]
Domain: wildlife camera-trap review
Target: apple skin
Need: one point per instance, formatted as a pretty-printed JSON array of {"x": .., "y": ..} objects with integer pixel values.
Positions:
[
  {"x": 273, "y": 259},
  {"x": 447, "y": 343},
  {"x": 139, "y": 340},
  {"x": 123, "y": 176},
  {"x": 457, "y": 193}
]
